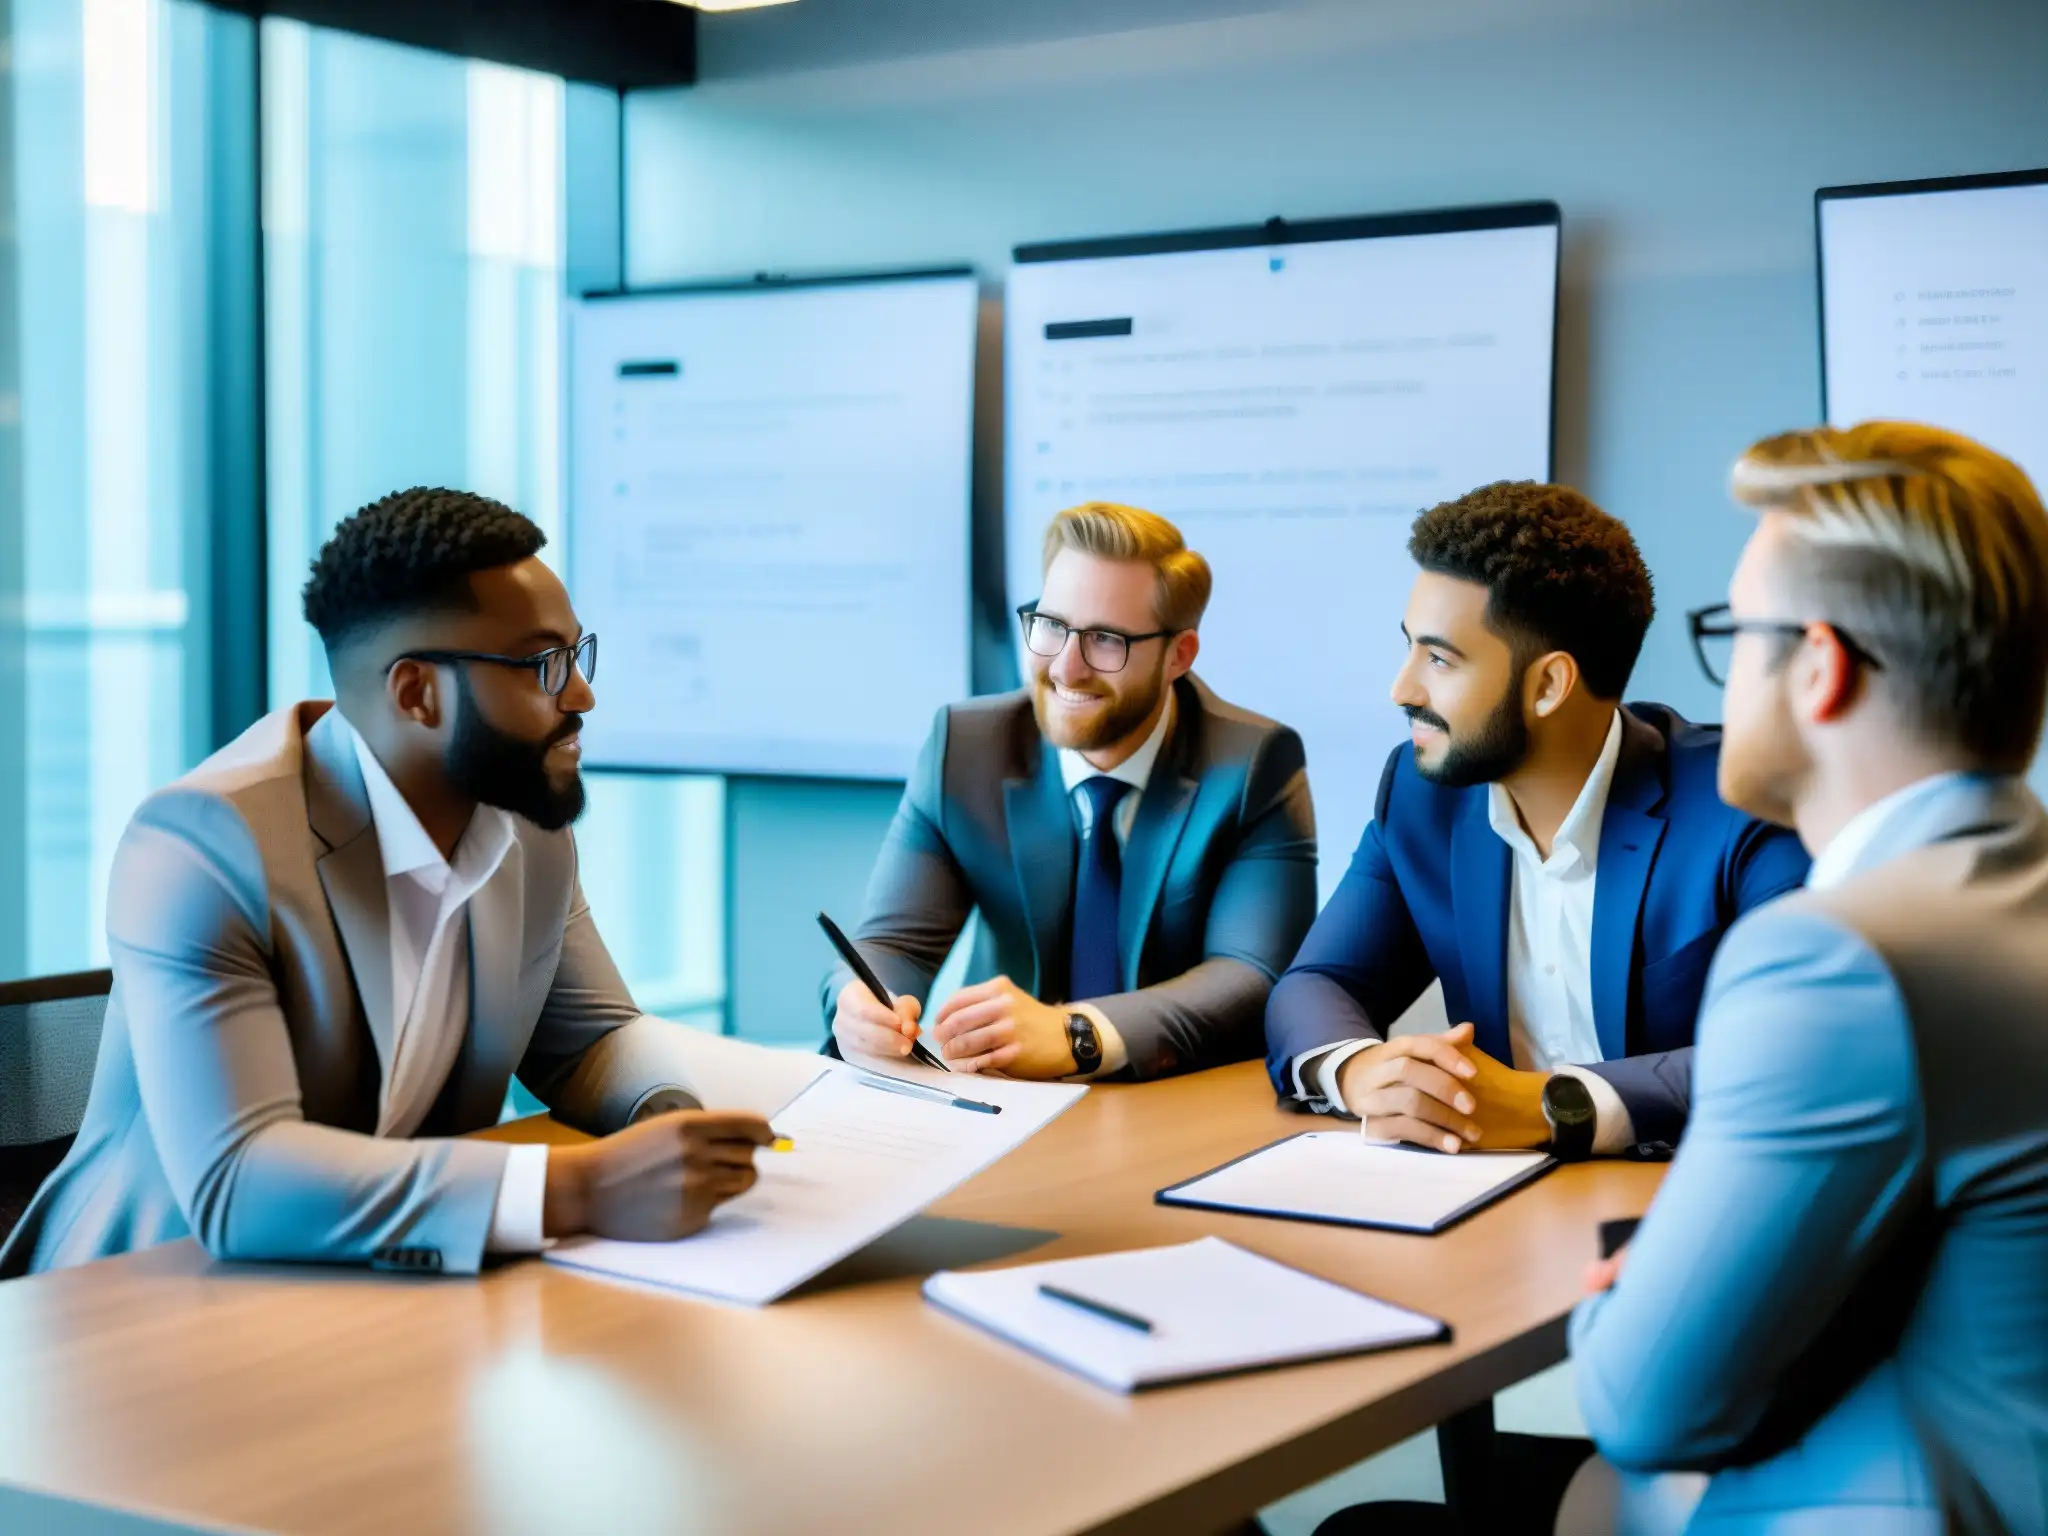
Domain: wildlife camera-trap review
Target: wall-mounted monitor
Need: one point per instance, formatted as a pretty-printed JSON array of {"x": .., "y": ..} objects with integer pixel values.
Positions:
[
  {"x": 1934, "y": 308},
  {"x": 768, "y": 520},
  {"x": 1290, "y": 395}
]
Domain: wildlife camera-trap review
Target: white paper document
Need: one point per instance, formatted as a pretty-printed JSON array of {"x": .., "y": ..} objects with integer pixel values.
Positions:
[
  {"x": 866, "y": 1161},
  {"x": 724, "y": 1073},
  {"x": 1340, "y": 1177},
  {"x": 1213, "y": 1307}
]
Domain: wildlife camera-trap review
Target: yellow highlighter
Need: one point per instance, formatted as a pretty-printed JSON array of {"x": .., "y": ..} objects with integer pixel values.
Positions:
[{"x": 782, "y": 1144}]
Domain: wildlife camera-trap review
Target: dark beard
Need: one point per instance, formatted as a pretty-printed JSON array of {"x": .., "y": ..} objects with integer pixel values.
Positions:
[
  {"x": 493, "y": 768},
  {"x": 1493, "y": 751},
  {"x": 1119, "y": 721}
]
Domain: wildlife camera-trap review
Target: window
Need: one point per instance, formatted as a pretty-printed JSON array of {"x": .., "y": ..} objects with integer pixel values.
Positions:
[
  {"x": 413, "y": 224},
  {"x": 413, "y": 284},
  {"x": 108, "y": 448}
]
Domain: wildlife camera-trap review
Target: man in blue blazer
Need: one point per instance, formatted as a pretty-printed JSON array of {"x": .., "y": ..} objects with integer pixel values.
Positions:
[
  {"x": 1560, "y": 862},
  {"x": 1838, "y": 1304}
]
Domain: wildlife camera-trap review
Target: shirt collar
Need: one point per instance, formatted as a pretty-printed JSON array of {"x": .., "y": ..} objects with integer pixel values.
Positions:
[
  {"x": 1844, "y": 852},
  {"x": 1578, "y": 836},
  {"x": 1135, "y": 770},
  {"x": 404, "y": 843}
]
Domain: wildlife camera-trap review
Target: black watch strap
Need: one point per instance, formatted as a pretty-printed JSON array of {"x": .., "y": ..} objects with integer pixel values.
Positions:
[
  {"x": 1568, "y": 1106},
  {"x": 1085, "y": 1040}
]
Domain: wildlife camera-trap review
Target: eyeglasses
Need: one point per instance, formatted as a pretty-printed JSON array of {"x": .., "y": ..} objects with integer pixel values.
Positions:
[
  {"x": 551, "y": 666},
  {"x": 1106, "y": 650},
  {"x": 1714, "y": 630}
]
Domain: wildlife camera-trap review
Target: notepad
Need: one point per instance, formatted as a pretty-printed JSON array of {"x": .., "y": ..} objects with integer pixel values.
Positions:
[
  {"x": 1214, "y": 1308},
  {"x": 1341, "y": 1178}
]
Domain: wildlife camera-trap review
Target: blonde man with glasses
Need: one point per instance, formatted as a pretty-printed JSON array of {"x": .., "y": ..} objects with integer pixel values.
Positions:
[
  {"x": 1838, "y": 1305},
  {"x": 1142, "y": 854}
]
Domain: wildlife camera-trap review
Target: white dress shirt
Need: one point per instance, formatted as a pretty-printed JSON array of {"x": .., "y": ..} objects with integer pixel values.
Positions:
[
  {"x": 1136, "y": 771},
  {"x": 1837, "y": 862},
  {"x": 428, "y": 899},
  {"x": 1549, "y": 953}
]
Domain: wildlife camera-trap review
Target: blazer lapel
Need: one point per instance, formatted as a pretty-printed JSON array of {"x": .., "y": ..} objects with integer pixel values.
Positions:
[
  {"x": 1041, "y": 831},
  {"x": 1631, "y": 830},
  {"x": 497, "y": 957},
  {"x": 1155, "y": 834},
  {"x": 1479, "y": 898},
  {"x": 497, "y": 939},
  {"x": 352, "y": 871}
]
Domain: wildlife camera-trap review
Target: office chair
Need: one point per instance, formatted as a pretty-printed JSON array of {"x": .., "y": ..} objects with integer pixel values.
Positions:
[{"x": 49, "y": 1040}]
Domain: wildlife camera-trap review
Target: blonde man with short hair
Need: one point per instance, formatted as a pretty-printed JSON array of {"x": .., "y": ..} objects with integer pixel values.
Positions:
[
  {"x": 1141, "y": 853},
  {"x": 1839, "y": 1303}
]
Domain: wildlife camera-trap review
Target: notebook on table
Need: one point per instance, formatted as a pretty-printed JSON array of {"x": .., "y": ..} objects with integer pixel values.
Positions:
[
  {"x": 1340, "y": 1178},
  {"x": 1209, "y": 1308}
]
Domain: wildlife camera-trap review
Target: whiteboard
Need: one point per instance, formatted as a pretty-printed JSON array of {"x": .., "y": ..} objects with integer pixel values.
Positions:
[
  {"x": 768, "y": 521},
  {"x": 1934, "y": 308},
  {"x": 1291, "y": 397}
]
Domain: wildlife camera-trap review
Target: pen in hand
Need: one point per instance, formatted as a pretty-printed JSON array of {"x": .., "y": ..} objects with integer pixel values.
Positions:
[{"x": 865, "y": 975}]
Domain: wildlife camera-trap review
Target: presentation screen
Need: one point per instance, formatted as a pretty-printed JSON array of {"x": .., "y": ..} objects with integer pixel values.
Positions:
[
  {"x": 768, "y": 521},
  {"x": 1290, "y": 396},
  {"x": 1934, "y": 308}
]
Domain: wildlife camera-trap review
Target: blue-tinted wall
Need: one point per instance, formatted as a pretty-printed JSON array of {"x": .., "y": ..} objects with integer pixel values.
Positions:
[{"x": 1684, "y": 141}]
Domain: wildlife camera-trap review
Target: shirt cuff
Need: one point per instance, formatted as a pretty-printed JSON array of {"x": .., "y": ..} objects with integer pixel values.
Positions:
[
  {"x": 1115, "y": 1054},
  {"x": 1614, "y": 1129},
  {"x": 517, "y": 1224},
  {"x": 1315, "y": 1074}
]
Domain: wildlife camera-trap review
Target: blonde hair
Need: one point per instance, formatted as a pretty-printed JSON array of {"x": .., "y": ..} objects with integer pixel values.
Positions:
[
  {"x": 1931, "y": 551},
  {"x": 1112, "y": 532}
]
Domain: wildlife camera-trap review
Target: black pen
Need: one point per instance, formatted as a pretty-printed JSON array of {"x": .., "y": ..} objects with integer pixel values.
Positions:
[
  {"x": 867, "y": 978},
  {"x": 1101, "y": 1309}
]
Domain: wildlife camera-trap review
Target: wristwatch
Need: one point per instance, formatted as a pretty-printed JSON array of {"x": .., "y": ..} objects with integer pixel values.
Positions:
[
  {"x": 1086, "y": 1042},
  {"x": 1568, "y": 1106}
]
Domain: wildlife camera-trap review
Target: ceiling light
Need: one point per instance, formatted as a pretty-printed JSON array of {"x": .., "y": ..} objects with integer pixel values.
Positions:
[{"x": 730, "y": 5}]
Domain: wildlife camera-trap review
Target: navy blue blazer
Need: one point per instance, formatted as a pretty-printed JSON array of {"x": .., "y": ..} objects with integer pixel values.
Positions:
[{"x": 1426, "y": 898}]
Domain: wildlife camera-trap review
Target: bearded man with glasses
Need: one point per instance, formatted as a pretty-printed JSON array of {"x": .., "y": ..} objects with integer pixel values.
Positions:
[
  {"x": 336, "y": 940},
  {"x": 1142, "y": 854}
]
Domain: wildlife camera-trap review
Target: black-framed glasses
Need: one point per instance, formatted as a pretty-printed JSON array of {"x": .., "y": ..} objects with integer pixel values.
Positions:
[
  {"x": 552, "y": 667},
  {"x": 1106, "y": 650},
  {"x": 1714, "y": 629}
]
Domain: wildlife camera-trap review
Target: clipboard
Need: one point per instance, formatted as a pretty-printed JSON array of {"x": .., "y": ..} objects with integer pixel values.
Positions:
[{"x": 1337, "y": 1178}]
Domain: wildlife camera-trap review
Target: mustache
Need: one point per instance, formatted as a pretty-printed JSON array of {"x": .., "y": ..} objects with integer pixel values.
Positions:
[
  {"x": 1415, "y": 712},
  {"x": 1046, "y": 685},
  {"x": 568, "y": 730}
]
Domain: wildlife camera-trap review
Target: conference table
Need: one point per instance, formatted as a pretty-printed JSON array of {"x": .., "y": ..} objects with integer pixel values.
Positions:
[{"x": 194, "y": 1395}]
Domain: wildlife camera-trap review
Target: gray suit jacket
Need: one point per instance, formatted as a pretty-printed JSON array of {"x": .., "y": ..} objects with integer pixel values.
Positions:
[
  {"x": 1839, "y": 1301},
  {"x": 1219, "y": 875},
  {"x": 250, "y": 1026}
]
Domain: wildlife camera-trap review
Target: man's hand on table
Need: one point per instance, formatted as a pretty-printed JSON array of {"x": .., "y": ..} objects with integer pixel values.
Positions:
[
  {"x": 999, "y": 1027},
  {"x": 1441, "y": 1091},
  {"x": 654, "y": 1181},
  {"x": 1602, "y": 1273}
]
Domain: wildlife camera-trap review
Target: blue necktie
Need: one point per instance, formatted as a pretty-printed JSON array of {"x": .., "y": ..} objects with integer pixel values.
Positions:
[{"x": 1095, "y": 969}]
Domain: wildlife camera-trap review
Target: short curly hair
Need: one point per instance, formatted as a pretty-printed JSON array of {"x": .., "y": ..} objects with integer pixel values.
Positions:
[
  {"x": 407, "y": 552},
  {"x": 1560, "y": 574}
]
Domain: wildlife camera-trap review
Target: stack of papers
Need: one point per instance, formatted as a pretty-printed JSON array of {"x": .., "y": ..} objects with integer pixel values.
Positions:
[
  {"x": 1341, "y": 1178},
  {"x": 1213, "y": 1307},
  {"x": 865, "y": 1162}
]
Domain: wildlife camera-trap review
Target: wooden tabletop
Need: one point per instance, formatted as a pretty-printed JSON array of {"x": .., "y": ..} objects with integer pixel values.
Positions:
[{"x": 536, "y": 1399}]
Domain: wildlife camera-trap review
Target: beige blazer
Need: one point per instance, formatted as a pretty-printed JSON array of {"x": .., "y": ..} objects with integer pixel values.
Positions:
[{"x": 250, "y": 1028}]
